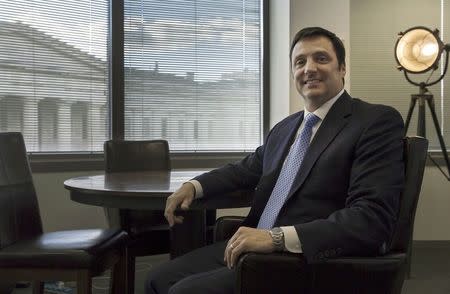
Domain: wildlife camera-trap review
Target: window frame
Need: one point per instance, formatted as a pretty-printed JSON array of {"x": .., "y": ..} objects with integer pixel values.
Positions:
[{"x": 89, "y": 161}]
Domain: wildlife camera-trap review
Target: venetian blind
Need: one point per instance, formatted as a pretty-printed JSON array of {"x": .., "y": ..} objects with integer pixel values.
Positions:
[
  {"x": 54, "y": 73},
  {"x": 193, "y": 73}
]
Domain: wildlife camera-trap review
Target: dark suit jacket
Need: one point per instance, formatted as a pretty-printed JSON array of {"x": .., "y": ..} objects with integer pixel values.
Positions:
[{"x": 345, "y": 198}]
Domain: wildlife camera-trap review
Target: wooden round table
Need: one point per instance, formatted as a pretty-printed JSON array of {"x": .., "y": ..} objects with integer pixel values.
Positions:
[{"x": 149, "y": 190}]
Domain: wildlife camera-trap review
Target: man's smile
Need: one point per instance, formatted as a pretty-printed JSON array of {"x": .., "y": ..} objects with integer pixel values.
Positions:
[{"x": 312, "y": 82}]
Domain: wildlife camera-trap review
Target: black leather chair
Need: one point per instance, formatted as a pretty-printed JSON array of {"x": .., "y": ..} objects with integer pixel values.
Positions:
[
  {"x": 149, "y": 230},
  {"x": 277, "y": 272},
  {"x": 28, "y": 254}
]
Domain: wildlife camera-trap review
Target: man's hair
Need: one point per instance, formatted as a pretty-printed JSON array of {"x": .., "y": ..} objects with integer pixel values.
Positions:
[{"x": 318, "y": 32}]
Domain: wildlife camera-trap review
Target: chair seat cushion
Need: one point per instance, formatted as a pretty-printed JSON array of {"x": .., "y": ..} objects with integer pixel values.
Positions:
[{"x": 64, "y": 249}]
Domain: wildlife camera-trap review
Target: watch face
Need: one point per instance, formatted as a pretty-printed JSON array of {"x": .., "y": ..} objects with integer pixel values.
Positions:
[
  {"x": 277, "y": 230},
  {"x": 277, "y": 238}
]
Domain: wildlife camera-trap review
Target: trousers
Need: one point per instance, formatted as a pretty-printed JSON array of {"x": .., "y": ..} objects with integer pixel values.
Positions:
[
  {"x": 203, "y": 271},
  {"x": 199, "y": 271}
]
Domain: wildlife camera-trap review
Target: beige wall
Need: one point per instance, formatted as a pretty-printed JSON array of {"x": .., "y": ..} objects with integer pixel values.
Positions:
[
  {"x": 433, "y": 217},
  {"x": 279, "y": 60},
  {"x": 58, "y": 212},
  {"x": 287, "y": 16}
]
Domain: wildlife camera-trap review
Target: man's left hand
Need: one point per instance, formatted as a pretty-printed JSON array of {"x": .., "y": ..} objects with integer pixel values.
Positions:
[{"x": 247, "y": 239}]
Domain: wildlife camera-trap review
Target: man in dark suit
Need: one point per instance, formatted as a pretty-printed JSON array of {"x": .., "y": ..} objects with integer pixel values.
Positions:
[{"x": 337, "y": 196}]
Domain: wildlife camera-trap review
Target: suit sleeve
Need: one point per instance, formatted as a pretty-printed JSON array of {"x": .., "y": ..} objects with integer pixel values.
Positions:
[
  {"x": 365, "y": 225},
  {"x": 244, "y": 174}
]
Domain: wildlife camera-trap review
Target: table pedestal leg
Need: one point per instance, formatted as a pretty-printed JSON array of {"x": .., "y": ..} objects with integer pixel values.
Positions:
[{"x": 189, "y": 235}]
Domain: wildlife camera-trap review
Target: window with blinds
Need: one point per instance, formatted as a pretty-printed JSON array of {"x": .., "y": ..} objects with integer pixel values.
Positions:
[
  {"x": 193, "y": 73},
  {"x": 54, "y": 73}
]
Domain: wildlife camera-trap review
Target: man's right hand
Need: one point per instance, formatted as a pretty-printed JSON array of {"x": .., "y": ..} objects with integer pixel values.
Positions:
[{"x": 180, "y": 198}]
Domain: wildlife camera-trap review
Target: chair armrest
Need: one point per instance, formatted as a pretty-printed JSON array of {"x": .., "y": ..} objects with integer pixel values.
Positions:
[
  {"x": 283, "y": 273},
  {"x": 272, "y": 273},
  {"x": 378, "y": 274},
  {"x": 226, "y": 226}
]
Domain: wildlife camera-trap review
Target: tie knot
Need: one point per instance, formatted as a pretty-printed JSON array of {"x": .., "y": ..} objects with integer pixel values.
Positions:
[{"x": 311, "y": 119}]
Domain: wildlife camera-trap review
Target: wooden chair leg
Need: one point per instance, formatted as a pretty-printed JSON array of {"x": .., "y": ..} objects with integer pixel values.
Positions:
[
  {"x": 119, "y": 283},
  {"x": 37, "y": 287},
  {"x": 84, "y": 282}
]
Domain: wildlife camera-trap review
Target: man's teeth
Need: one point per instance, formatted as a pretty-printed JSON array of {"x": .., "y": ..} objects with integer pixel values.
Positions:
[{"x": 311, "y": 81}]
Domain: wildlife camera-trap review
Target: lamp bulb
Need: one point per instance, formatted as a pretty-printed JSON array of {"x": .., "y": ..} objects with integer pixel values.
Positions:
[{"x": 429, "y": 49}]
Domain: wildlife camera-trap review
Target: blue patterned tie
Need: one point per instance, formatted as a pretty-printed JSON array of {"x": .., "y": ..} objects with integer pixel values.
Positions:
[{"x": 288, "y": 173}]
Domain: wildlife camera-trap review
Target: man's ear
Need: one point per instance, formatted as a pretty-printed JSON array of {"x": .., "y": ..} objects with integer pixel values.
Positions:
[{"x": 343, "y": 69}]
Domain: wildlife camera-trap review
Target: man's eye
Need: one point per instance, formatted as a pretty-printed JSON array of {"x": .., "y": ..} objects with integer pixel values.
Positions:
[
  {"x": 300, "y": 62},
  {"x": 322, "y": 58}
]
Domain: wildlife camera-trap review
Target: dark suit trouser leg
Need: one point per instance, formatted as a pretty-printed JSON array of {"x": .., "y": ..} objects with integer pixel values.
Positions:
[{"x": 200, "y": 271}]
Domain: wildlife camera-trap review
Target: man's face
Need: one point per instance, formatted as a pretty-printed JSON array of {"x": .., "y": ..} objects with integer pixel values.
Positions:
[{"x": 317, "y": 75}]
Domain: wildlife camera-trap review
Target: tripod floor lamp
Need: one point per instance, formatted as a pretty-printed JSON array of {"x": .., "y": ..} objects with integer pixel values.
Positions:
[{"x": 419, "y": 50}]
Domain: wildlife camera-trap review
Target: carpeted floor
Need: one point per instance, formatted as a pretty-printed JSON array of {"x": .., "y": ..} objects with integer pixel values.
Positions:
[
  {"x": 430, "y": 272},
  {"x": 100, "y": 285}
]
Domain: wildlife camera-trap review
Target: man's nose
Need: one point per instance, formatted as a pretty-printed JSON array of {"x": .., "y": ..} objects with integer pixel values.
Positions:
[{"x": 310, "y": 66}]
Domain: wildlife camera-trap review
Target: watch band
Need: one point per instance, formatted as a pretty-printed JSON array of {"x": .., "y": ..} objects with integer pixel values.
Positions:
[{"x": 277, "y": 235}]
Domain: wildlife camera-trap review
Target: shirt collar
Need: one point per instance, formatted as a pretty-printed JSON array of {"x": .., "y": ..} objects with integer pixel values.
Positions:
[{"x": 322, "y": 111}]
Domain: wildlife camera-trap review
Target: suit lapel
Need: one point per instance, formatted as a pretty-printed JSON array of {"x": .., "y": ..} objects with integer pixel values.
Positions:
[
  {"x": 285, "y": 140},
  {"x": 333, "y": 123}
]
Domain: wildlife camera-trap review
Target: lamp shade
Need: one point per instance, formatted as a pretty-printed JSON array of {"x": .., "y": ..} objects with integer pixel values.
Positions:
[{"x": 418, "y": 49}]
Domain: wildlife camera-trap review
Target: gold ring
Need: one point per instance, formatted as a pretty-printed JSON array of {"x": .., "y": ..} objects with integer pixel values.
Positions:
[{"x": 231, "y": 246}]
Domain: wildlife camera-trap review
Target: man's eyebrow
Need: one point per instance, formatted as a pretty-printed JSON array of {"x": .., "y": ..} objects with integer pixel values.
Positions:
[
  {"x": 321, "y": 52},
  {"x": 313, "y": 53}
]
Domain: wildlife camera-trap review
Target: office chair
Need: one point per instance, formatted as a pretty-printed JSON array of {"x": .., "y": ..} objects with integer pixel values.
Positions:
[
  {"x": 148, "y": 229},
  {"x": 28, "y": 254},
  {"x": 363, "y": 275}
]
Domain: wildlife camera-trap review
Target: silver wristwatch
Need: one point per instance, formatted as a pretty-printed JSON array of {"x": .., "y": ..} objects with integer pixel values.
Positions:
[{"x": 277, "y": 235}]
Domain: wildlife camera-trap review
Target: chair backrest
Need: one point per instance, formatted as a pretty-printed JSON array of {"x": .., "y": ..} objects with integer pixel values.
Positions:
[
  {"x": 415, "y": 155},
  {"x": 19, "y": 210},
  {"x": 122, "y": 156}
]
